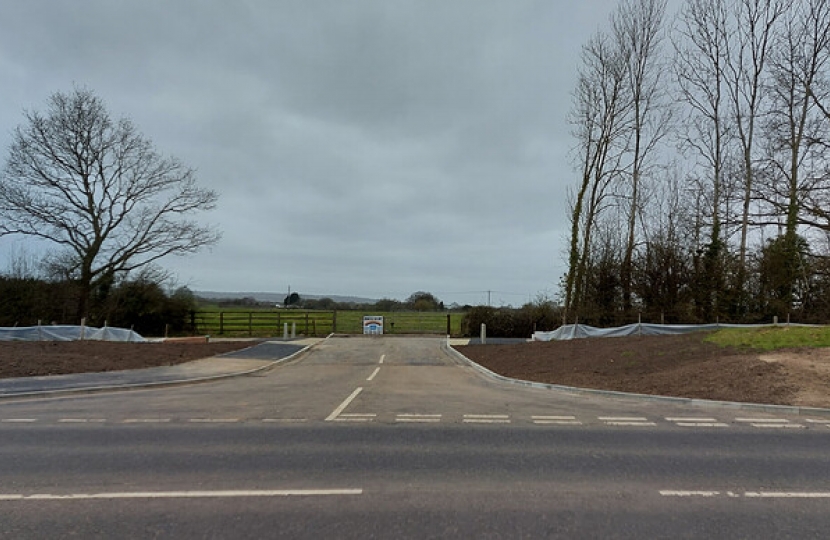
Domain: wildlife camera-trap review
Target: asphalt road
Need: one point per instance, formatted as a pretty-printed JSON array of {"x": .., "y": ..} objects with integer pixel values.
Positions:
[{"x": 393, "y": 438}]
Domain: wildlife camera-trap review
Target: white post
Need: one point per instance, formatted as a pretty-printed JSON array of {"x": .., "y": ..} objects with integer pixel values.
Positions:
[
  {"x": 483, "y": 334},
  {"x": 83, "y": 328},
  {"x": 293, "y": 330},
  {"x": 285, "y": 331}
]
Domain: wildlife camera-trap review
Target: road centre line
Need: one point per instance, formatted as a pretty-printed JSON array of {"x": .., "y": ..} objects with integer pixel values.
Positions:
[
  {"x": 146, "y": 421},
  {"x": 374, "y": 374},
  {"x": 382, "y": 358},
  {"x": 213, "y": 420},
  {"x": 18, "y": 420},
  {"x": 686, "y": 419},
  {"x": 285, "y": 420},
  {"x": 181, "y": 494},
  {"x": 342, "y": 407},
  {"x": 763, "y": 420},
  {"x": 814, "y": 421},
  {"x": 81, "y": 420},
  {"x": 749, "y": 494}
]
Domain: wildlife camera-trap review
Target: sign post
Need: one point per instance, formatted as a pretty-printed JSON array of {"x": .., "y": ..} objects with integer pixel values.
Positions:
[{"x": 373, "y": 325}]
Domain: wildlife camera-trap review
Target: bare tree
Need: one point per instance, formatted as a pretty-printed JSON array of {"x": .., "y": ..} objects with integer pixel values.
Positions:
[
  {"x": 750, "y": 41},
  {"x": 598, "y": 115},
  {"x": 701, "y": 52},
  {"x": 98, "y": 189},
  {"x": 801, "y": 58},
  {"x": 637, "y": 27}
]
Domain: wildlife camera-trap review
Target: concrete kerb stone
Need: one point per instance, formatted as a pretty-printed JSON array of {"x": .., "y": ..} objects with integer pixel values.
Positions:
[
  {"x": 161, "y": 384},
  {"x": 693, "y": 402}
]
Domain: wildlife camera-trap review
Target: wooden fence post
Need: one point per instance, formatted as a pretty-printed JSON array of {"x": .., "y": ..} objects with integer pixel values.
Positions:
[{"x": 221, "y": 322}]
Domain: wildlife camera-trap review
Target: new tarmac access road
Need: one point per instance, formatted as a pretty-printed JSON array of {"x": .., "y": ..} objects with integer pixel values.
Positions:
[{"x": 381, "y": 437}]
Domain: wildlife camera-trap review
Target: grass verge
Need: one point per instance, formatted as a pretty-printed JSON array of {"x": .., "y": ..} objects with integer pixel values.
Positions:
[{"x": 772, "y": 338}]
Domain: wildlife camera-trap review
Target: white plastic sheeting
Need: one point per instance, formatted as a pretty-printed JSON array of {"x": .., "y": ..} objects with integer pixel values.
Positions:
[
  {"x": 68, "y": 333},
  {"x": 578, "y": 331}
]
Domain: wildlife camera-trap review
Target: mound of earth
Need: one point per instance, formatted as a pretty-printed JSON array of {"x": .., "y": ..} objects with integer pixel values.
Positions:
[
  {"x": 683, "y": 366},
  {"x": 36, "y": 358}
]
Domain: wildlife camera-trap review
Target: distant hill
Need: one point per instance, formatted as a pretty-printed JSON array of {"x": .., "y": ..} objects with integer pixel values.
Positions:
[{"x": 277, "y": 298}]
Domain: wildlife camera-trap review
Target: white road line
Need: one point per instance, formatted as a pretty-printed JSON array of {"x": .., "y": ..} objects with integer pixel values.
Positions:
[
  {"x": 787, "y": 495},
  {"x": 82, "y": 420},
  {"x": 181, "y": 494},
  {"x": 285, "y": 420},
  {"x": 769, "y": 423},
  {"x": 418, "y": 418},
  {"x": 555, "y": 420},
  {"x": 382, "y": 358},
  {"x": 374, "y": 374},
  {"x": 146, "y": 421},
  {"x": 677, "y": 493},
  {"x": 750, "y": 494},
  {"x": 486, "y": 419},
  {"x": 358, "y": 415},
  {"x": 814, "y": 421},
  {"x": 683, "y": 421},
  {"x": 18, "y": 420},
  {"x": 213, "y": 420},
  {"x": 342, "y": 407},
  {"x": 626, "y": 421}
]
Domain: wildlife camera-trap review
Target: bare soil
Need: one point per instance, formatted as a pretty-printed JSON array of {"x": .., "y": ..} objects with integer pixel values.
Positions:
[
  {"x": 682, "y": 366},
  {"x": 37, "y": 358}
]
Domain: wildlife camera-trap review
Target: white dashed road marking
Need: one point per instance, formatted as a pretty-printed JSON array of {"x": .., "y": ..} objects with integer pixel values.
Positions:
[
  {"x": 18, "y": 420},
  {"x": 146, "y": 421},
  {"x": 556, "y": 420},
  {"x": 355, "y": 417},
  {"x": 749, "y": 494},
  {"x": 769, "y": 423},
  {"x": 181, "y": 494},
  {"x": 418, "y": 418},
  {"x": 213, "y": 420},
  {"x": 374, "y": 374},
  {"x": 696, "y": 422},
  {"x": 486, "y": 419},
  {"x": 626, "y": 421}
]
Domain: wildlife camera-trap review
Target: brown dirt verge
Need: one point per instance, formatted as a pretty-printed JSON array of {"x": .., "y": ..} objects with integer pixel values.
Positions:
[
  {"x": 683, "y": 366},
  {"x": 36, "y": 358}
]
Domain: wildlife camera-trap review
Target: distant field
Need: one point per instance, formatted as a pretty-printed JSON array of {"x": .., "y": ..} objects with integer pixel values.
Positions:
[
  {"x": 773, "y": 337},
  {"x": 270, "y": 322}
]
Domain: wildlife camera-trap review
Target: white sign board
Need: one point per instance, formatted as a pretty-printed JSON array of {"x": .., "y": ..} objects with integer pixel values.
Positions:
[{"x": 373, "y": 324}]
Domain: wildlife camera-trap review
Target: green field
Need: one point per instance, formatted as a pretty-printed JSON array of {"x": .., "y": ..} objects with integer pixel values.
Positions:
[
  {"x": 268, "y": 323},
  {"x": 773, "y": 337}
]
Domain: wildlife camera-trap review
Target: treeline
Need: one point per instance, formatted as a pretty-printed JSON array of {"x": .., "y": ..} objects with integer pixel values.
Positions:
[
  {"x": 703, "y": 153},
  {"x": 417, "y": 301},
  {"x": 140, "y": 304}
]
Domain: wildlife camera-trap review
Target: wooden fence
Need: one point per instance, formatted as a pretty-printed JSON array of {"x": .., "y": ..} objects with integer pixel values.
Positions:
[{"x": 318, "y": 323}]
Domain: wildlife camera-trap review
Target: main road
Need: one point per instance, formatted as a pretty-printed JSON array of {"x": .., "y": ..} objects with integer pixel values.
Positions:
[{"x": 396, "y": 438}]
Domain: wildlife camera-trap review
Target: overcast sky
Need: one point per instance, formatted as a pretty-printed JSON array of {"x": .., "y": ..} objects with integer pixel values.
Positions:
[{"x": 367, "y": 148}]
